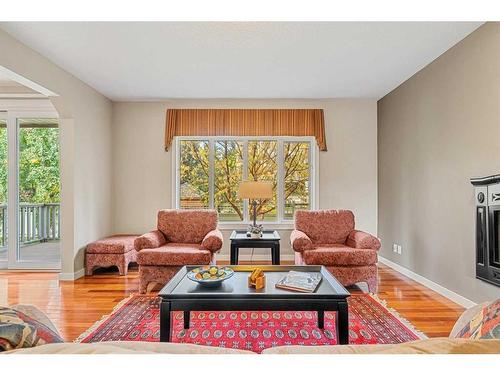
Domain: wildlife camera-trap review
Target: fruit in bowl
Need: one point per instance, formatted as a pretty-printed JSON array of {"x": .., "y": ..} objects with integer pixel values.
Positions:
[{"x": 210, "y": 275}]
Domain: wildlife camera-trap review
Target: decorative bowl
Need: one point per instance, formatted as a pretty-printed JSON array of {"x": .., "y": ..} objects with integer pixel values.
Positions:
[{"x": 210, "y": 276}]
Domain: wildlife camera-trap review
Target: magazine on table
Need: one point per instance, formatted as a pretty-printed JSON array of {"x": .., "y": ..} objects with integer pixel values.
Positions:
[{"x": 299, "y": 281}]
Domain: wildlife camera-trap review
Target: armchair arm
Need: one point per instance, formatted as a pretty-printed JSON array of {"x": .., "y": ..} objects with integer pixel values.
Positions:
[
  {"x": 213, "y": 241},
  {"x": 300, "y": 241},
  {"x": 362, "y": 240},
  {"x": 150, "y": 240}
]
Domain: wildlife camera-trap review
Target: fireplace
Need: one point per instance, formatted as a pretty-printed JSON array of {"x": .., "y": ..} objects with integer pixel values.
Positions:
[{"x": 487, "y": 198}]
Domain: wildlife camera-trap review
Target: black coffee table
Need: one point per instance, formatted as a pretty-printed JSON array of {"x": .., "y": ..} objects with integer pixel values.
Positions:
[
  {"x": 182, "y": 294},
  {"x": 270, "y": 239}
]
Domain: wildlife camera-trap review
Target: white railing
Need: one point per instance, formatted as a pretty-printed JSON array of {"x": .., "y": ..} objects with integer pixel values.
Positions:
[
  {"x": 3, "y": 224},
  {"x": 37, "y": 223}
]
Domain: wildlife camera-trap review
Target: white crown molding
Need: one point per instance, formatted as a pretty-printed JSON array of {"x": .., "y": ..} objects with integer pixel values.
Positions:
[
  {"x": 22, "y": 96},
  {"x": 35, "y": 105},
  {"x": 455, "y": 297}
]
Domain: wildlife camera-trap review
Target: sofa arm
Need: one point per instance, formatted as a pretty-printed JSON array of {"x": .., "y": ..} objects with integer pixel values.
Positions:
[
  {"x": 213, "y": 241},
  {"x": 300, "y": 241},
  {"x": 150, "y": 240},
  {"x": 362, "y": 240}
]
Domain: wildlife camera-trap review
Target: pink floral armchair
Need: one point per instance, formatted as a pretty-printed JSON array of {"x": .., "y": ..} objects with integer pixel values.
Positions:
[
  {"x": 328, "y": 238},
  {"x": 182, "y": 237}
]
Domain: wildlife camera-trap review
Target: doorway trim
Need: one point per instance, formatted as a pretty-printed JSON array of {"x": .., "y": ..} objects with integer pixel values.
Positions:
[{"x": 15, "y": 109}]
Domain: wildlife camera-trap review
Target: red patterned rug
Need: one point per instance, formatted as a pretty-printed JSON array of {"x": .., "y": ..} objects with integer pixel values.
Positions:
[{"x": 137, "y": 319}]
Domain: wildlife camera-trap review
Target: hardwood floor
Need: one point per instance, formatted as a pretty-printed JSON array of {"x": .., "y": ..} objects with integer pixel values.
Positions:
[{"x": 75, "y": 306}]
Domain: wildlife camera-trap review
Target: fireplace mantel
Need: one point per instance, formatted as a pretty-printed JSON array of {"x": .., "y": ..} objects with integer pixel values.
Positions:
[
  {"x": 488, "y": 180},
  {"x": 487, "y": 198}
]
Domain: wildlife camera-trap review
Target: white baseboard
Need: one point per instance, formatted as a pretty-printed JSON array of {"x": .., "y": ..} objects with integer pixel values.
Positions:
[
  {"x": 69, "y": 276},
  {"x": 256, "y": 257},
  {"x": 455, "y": 297}
]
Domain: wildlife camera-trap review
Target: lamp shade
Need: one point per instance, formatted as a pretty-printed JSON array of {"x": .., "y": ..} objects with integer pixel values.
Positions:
[{"x": 255, "y": 190}]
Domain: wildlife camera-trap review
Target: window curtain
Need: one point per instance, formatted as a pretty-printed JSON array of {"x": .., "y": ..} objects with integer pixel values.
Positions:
[{"x": 245, "y": 122}]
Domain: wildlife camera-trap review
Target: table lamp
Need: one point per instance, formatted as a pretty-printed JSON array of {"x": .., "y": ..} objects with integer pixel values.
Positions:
[{"x": 253, "y": 190}]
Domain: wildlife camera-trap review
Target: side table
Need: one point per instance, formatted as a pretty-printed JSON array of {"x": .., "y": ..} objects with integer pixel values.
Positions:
[{"x": 270, "y": 239}]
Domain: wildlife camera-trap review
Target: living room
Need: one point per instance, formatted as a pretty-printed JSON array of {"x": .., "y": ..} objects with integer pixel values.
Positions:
[{"x": 249, "y": 187}]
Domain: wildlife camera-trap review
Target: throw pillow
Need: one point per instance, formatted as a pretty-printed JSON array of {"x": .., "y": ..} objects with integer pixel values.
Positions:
[
  {"x": 484, "y": 325},
  {"x": 18, "y": 330}
]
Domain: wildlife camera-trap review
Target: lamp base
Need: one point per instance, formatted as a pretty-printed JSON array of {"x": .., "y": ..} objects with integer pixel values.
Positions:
[{"x": 255, "y": 231}]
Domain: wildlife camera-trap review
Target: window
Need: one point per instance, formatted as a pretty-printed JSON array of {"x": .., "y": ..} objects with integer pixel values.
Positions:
[
  {"x": 209, "y": 170},
  {"x": 194, "y": 165}
]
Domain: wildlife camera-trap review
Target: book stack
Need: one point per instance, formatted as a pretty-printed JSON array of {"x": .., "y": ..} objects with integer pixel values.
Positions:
[{"x": 300, "y": 281}]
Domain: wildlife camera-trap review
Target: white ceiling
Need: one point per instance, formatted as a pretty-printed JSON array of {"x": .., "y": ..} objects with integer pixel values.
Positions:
[{"x": 148, "y": 61}]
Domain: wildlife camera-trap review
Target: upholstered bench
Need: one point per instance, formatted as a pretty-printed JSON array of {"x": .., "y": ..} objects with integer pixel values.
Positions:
[{"x": 116, "y": 250}]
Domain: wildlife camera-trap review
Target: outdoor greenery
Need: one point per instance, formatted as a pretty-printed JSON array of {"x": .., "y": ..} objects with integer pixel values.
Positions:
[
  {"x": 262, "y": 161},
  {"x": 38, "y": 165}
]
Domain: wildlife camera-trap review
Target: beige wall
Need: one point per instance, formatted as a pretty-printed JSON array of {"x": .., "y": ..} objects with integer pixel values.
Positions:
[
  {"x": 142, "y": 170},
  {"x": 85, "y": 149},
  {"x": 435, "y": 131}
]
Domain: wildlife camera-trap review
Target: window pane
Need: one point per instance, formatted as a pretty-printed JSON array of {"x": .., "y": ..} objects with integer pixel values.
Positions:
[
  {"x": 296, "y": 177},
  {"x": 262, "y": 166},
  {"x": 194, "y": 192},
  {"x": 228, "y": 174},
  {"x": 3, "y": 190}
]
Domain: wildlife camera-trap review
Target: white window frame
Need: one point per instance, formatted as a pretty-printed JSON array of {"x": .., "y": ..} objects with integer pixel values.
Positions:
[{"x": 281, "y": 222}]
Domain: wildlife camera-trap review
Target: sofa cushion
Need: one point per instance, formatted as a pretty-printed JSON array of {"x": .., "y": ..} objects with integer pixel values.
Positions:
[
  {"x": 485, "y": 324},
  {"x": 18, "y": 330},
  {"x": 118, "y": 244},
  {"x": 340, "y": 255},
  {"x": 174, "y": 254},
  {"x": 427, "y": 346},
  {"x": 466, "y": 317},
  {"x": 325, "y": 226},
  {"x": 213, "y": 241},
  {"x": 362, "y": 240},
  {"x": 36, "y": 314},
  {"x": 129, "y": 347},
  {"x": 186, "y": 226},
  {"x": 150, "y": 240},
  {"x": 300, "y": 241}
]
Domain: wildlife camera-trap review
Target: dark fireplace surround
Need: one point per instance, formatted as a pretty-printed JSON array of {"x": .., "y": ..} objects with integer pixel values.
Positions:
[{"x": 487, "y": 198}]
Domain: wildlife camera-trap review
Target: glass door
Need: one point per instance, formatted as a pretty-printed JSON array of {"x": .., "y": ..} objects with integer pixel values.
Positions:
[
  {"x": 3, "y": 190},
  {"x": 38, "y": 188}
]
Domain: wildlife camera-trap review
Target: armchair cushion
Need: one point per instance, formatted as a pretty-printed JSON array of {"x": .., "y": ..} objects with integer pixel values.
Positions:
[
  {"x": 174, "y": 254},
  {"x": 213, "y": 241},
  {"x": 300, "y": 241},
  {"x": 362, "y": 240},
  {"x": 186, "y": 226},
  {"x": 150, "y": 240},
  {"x": 340, "y": 255},
  {"x": 325, "y": 226}
]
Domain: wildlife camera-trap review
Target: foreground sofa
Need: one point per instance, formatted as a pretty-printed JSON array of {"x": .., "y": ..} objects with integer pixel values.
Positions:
[
  {"x": 428, "y": 346},
  {"x": 328, "y": 238},
  {"x": 448, "y": 345},
  {"x": 182, "y": 237}
]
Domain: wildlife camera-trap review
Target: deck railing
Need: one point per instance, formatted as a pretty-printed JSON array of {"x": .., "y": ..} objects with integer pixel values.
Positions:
[{"x": 37, "y": 223}]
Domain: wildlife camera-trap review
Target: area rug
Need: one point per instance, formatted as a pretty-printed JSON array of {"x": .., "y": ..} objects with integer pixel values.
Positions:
[{"x": 137, "y": 319}]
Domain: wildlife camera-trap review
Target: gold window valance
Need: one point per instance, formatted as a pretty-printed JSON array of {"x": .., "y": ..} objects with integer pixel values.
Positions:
[{"x": 245, "y": 122}]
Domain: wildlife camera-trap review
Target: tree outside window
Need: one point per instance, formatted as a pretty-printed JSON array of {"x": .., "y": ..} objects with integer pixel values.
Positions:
[{"x": 222, "y": 162}]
